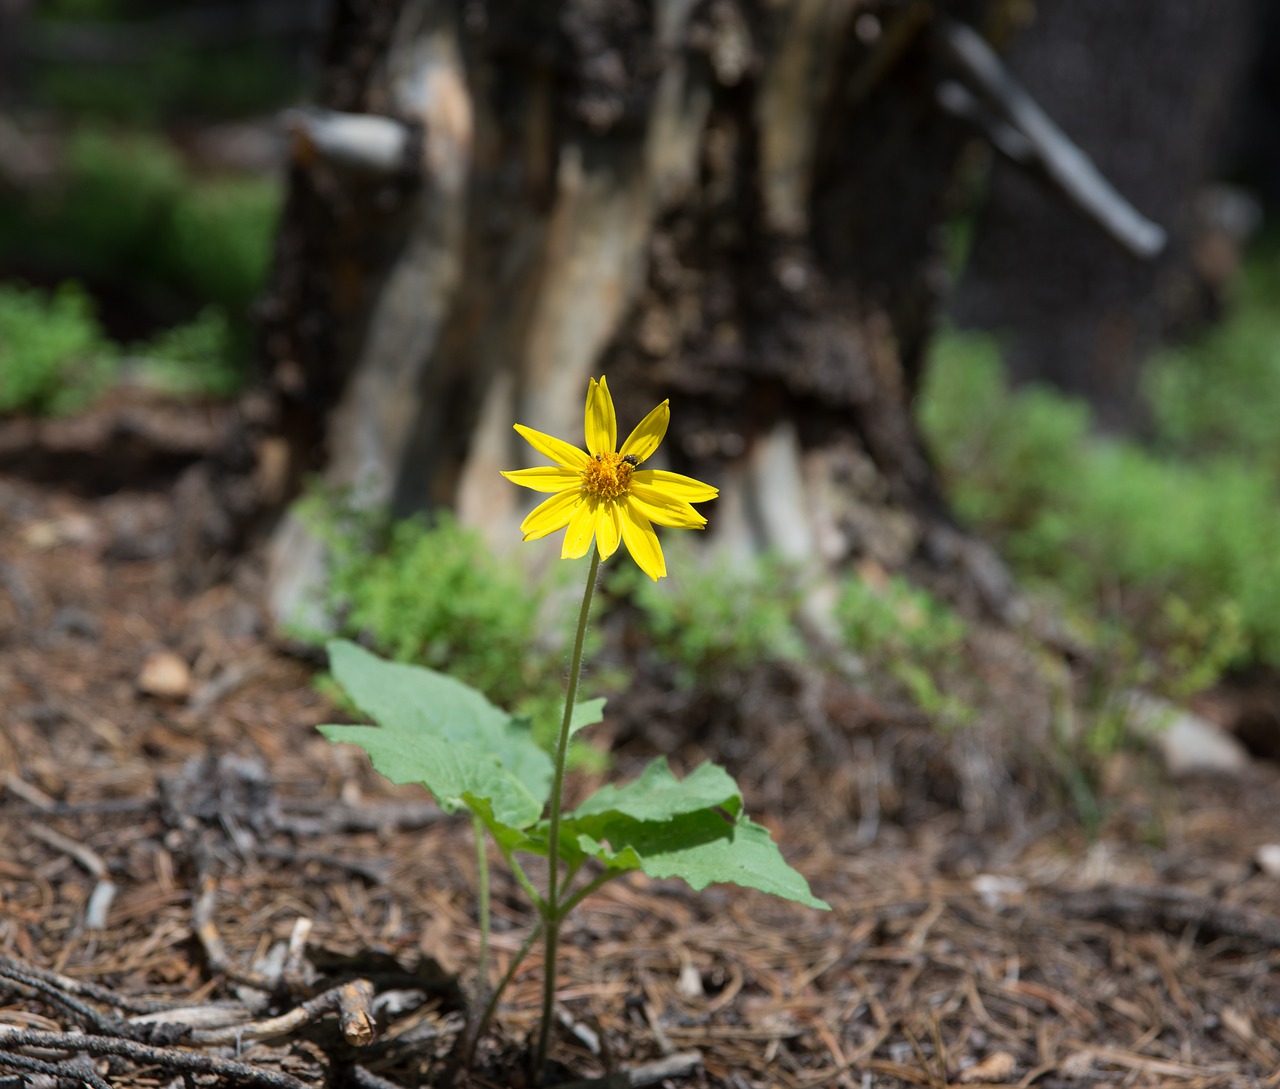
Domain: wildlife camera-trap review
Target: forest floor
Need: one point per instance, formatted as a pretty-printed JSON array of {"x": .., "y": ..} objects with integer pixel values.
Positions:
[{"x": 161, "y": 851}]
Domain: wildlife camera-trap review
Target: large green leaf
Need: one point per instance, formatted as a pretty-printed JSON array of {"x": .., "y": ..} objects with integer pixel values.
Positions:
[
  {"x": 691, "y": 829},
  {"x": 587, "y": 713},
  {"x": 658, "y": 795},
  {"x": 435, "y": 730}
]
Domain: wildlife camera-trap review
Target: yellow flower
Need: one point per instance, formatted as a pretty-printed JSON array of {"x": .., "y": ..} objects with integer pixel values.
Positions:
[{"x": 602, "y": 495}]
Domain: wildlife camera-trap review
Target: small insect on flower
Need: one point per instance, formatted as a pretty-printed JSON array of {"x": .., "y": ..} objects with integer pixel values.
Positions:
[{"x": 602, "y": 495}]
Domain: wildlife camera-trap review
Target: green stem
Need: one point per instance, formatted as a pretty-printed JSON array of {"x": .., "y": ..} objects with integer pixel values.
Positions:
[
  {"x": 482, "y": 892},
  {"x": 492, "y": 1004},
  {"x": 555, "y": 915},
  {"x": 587, "y": 889},
  {"x": 539, "y": 904}
]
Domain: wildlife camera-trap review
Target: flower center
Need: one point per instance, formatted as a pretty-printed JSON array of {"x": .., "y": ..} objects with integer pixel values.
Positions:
[{"x": 608, "y": 476}]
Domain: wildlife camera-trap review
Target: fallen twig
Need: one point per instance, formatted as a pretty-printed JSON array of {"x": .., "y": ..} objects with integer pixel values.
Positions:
[
  {"x": 72, "y": 1069},
  {"x": 86, "y": 856},
  {"x": 351, "y": 1001},
  {"x": 170, "y": 1058},
  {"x": 25, "y": 973},
  {"x": 206, "y": 930},
  {"x": 305, "y": 817},
  {"x": 30, "y": 983}
]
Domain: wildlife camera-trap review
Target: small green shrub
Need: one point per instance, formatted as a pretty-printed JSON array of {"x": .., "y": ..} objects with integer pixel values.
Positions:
[
  {"x": 53, "y": 356},
  {"x": 128, "y": 202},
  {"x": 219, "y": 242},
  {"x": 197, "y": 359},
  {"x": 708, "y": 617},
  {"x": 909, "y": 635},
  {"x": 1220, "y": 392},
  {"x": 430, "y": 593},
  {"x": 1117, "y": 529},
  {"x": 1006, "y": 458}
]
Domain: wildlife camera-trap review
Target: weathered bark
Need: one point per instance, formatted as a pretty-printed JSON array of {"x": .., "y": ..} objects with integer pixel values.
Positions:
[
  {"x": 732, "y": 204},
  {"x": 1144, "y": 86}
]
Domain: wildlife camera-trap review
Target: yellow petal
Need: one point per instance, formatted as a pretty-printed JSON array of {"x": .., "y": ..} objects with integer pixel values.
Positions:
[
  {"x": 551, "y": 514},
  {"x": 550, "y": 478},
  {"x": 556, "y": 449},
  {"x": 582, "y": 528},
  {"x": 673, "y": 484},
  {"x": 644, "y": 440},
  {"x": 659, "y": 507},
  {"x": 601, "y": 421},
  {"x": 608, "y": 528},
  {"x": 642, "y": 542}
]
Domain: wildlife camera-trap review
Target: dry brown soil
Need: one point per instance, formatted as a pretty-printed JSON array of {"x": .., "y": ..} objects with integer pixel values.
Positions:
[{"x": 155, "y": 850}]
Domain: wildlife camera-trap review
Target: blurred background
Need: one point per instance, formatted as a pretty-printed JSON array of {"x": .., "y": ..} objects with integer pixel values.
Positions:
[
  {"x": 969, "y": 308},
  {"x": 1004, "y": 389},
  {"x": 143, "y": 179}
]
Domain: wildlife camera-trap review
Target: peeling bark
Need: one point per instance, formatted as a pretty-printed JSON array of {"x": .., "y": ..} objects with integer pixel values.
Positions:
[{"x": 733, "y": 204}]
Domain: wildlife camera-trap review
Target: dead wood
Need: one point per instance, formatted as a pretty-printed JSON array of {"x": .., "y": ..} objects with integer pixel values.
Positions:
[{"x": 170, "y": 1058}]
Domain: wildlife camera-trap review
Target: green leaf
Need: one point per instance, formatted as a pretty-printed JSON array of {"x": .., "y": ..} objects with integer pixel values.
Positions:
[
  {"x": 658, "y": 795},
  {"x": 691, "y": 829},
  {"x": 587, "y": 713},
  {"x": 437, "y": 731}
]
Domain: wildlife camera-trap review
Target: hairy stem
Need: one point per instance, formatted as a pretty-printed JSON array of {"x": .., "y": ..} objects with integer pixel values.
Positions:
[
  {"x": 591, "y": 886},
  {"x": 540, "y": 905},
  {"x": 492, "y": 1004},
  {"x": 554, "y": 913},
  {"x": 482, "y": 893}
]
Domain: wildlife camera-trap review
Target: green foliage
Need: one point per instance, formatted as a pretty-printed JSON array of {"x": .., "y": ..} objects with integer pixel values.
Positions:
[
  {"x": 154, "y": 76},
  {"x": 195, "y": 359},
  {"x": 220, "y": 236},
  {"x": 1007, "y": 458},
  {"x": 709, "y": 617},
  {"x": 434, "y": 730},
  {"x": 693, "y": 829},
  {"x": 1181, "y": 551},
  {"x": 909, "y": 635},
  {"x": 1199, "y": 647},
  {"x": 53, "y": 356},
  {"x": 129, "y": 203},
  {"x": 433, "y": 594},
  {"x": 437, "y": 731},
  {"x": 1220, "y": 393}
]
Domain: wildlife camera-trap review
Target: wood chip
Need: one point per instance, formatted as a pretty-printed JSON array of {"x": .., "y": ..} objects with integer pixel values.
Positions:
[
  {"x": 165, "y": 675},
  {"x": 997, "y": 1068}
]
